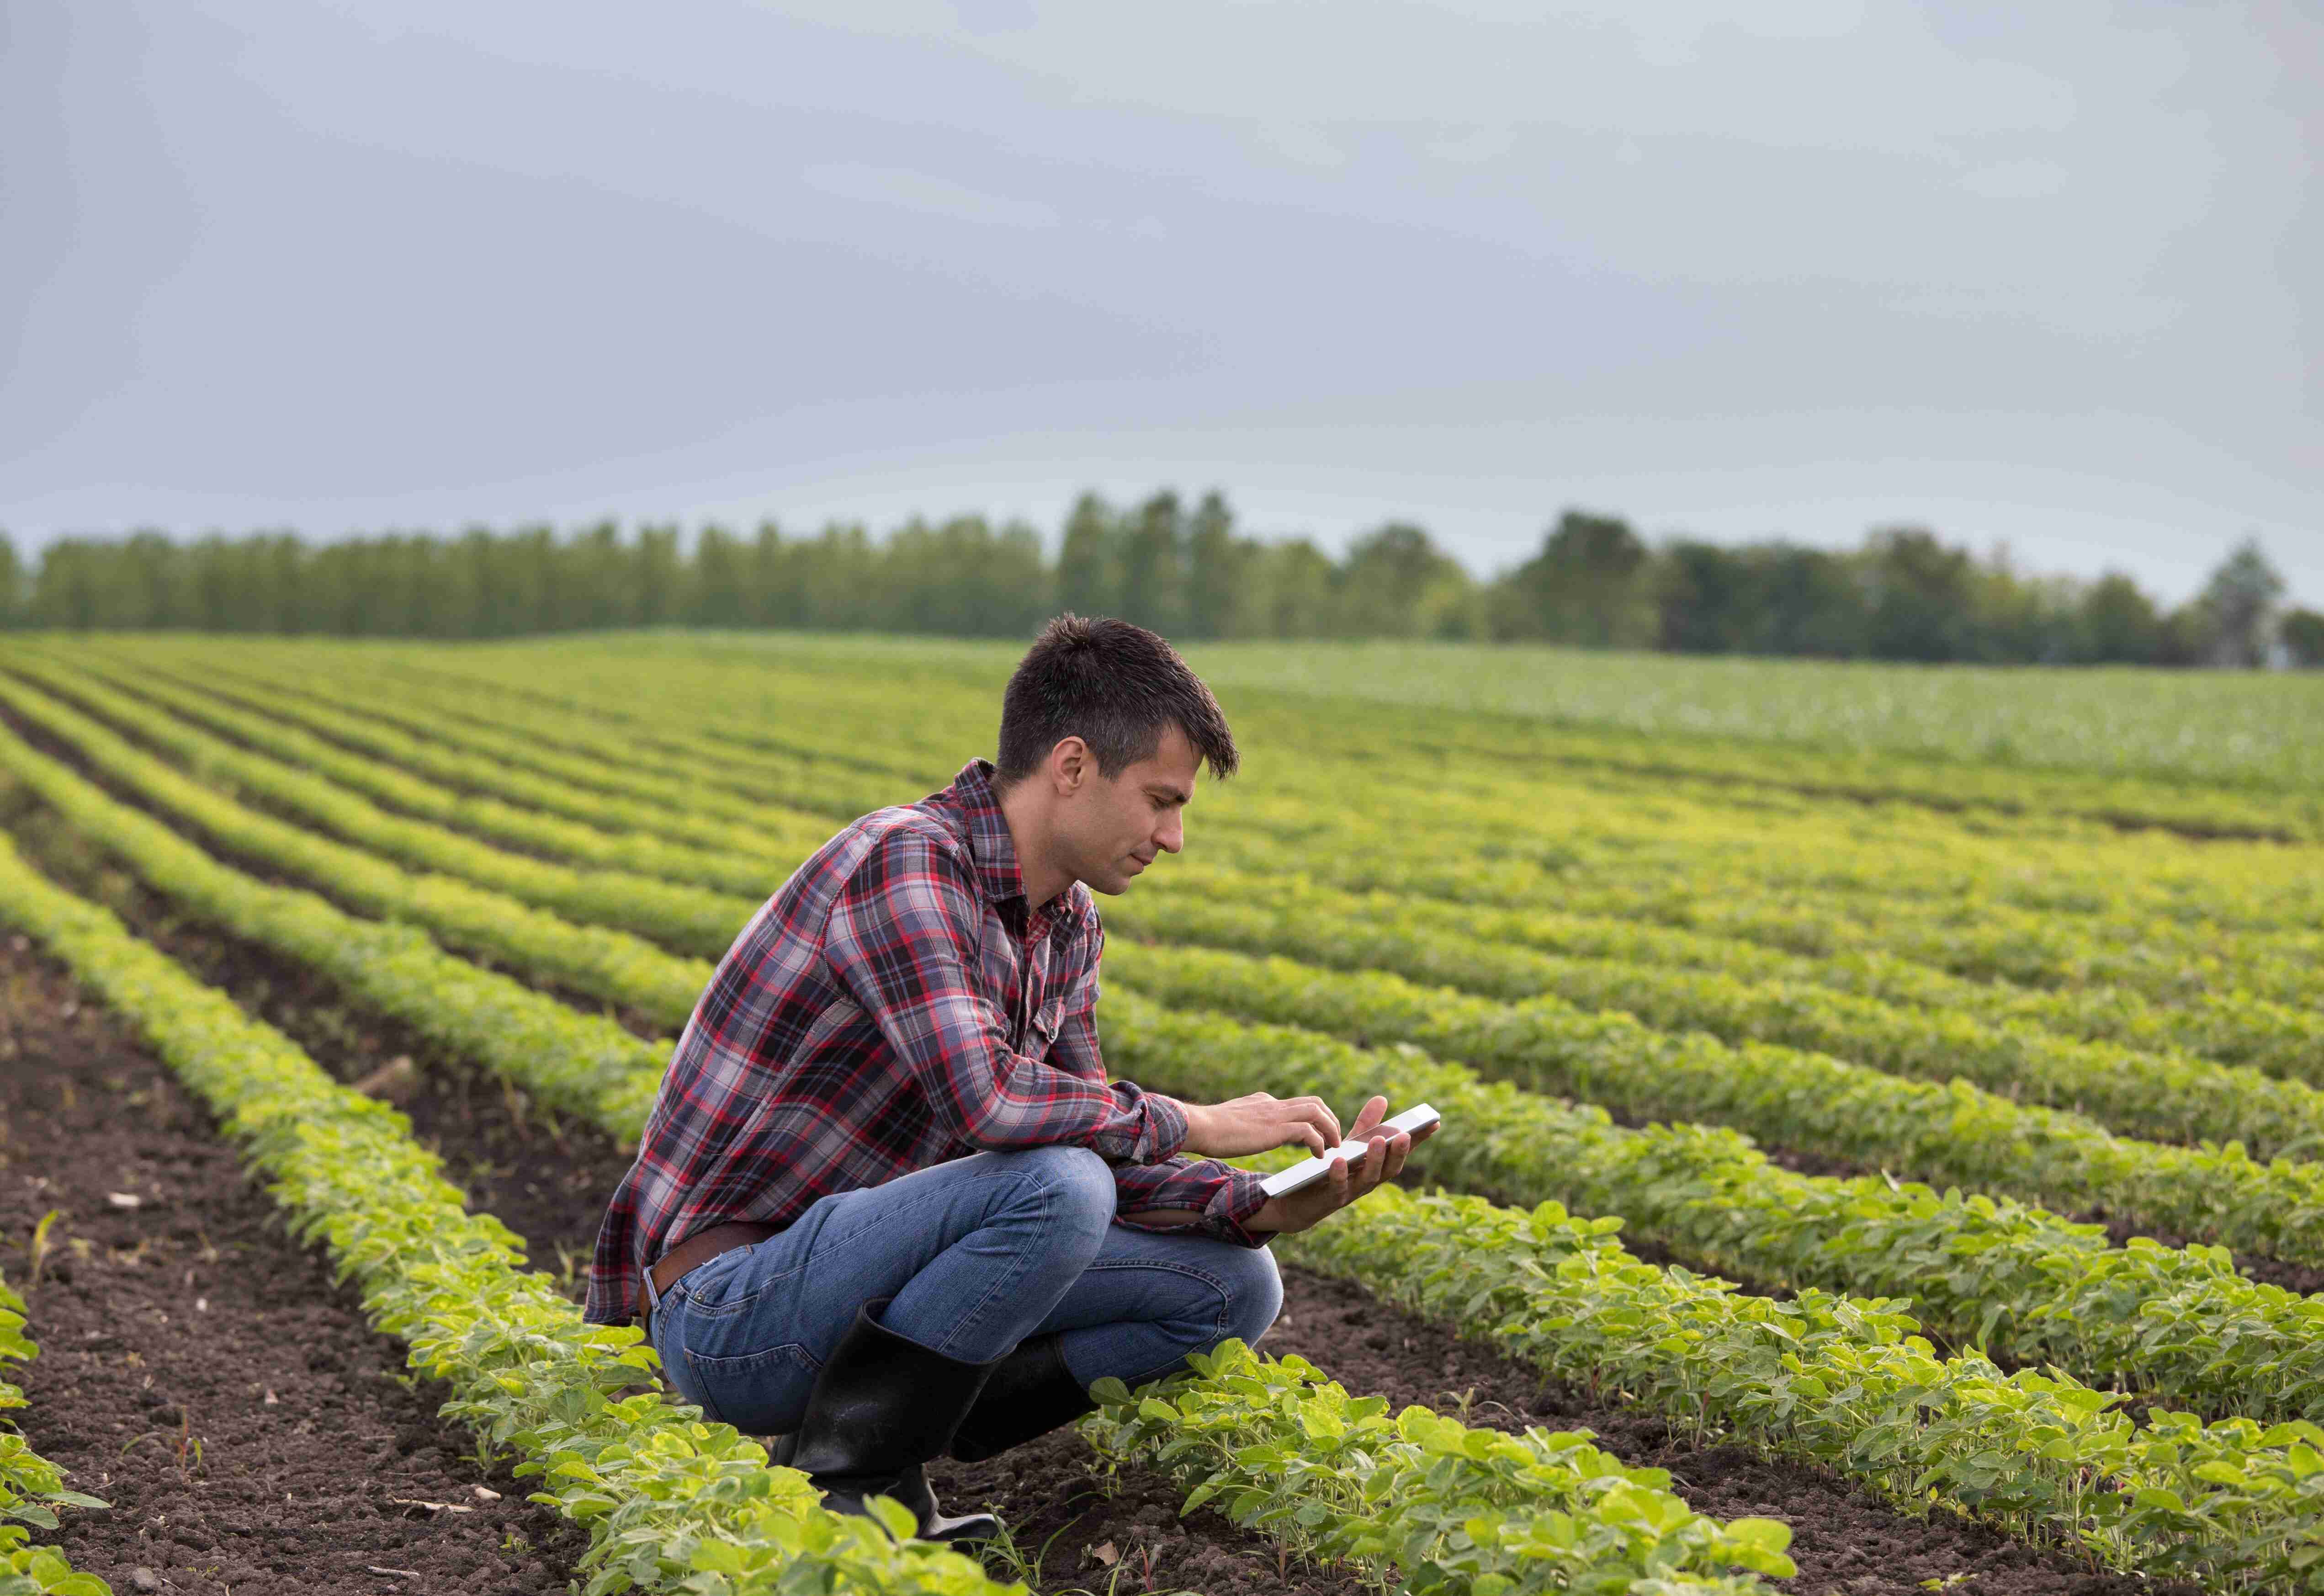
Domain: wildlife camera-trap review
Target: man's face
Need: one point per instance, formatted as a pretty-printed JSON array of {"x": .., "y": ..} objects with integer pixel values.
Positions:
[{"x": 1115, "y": 827}]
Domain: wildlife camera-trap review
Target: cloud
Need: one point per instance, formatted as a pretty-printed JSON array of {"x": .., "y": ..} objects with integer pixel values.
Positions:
[
  {"x": 2016, "y": 179},
  {"x": 1301, "y": 142},
  {"x": 931, "y": 196},
  {"x": 1476, "y": 146}
]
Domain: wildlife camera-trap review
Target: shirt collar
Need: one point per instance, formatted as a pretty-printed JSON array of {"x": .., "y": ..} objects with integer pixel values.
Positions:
[
  {"x": 994, "y": 849},
  {"x": 988, "y": 842}
]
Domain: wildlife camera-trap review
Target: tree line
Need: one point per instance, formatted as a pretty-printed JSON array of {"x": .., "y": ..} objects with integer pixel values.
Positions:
[{"x": 1185, "y": 571}]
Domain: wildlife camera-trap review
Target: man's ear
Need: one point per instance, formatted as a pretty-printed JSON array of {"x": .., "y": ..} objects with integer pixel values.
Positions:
[{"x": 1070, "y": 766}]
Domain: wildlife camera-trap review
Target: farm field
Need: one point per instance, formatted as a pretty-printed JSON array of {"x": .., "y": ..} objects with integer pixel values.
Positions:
[{"x": 1885, "y": 1143}]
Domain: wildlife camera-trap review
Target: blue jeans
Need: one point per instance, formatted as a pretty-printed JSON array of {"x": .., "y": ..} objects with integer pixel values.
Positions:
[{"x": 977, "y": 1254}]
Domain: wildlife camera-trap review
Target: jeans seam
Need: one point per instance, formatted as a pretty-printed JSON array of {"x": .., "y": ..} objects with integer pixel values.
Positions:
[{"x": 1022, "y": 1261}]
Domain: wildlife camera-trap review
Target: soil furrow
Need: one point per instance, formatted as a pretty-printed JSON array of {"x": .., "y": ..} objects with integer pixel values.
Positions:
[{"x": 200, "y": 1369}]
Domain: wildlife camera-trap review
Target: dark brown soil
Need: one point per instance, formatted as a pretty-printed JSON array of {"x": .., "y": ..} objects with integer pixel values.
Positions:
[{"x": 199, "y": 1370}]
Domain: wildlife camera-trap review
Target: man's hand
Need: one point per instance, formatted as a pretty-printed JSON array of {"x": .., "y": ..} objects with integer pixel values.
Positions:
[
  {"x": 1348, "y": 1179},
  {"x": 1259, "y": 1123}
]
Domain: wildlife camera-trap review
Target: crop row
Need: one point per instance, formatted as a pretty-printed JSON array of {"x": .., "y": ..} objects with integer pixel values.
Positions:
[
  {"x": 587, "y": 790},
  {"x": 590, "y": 1066},
  {"x": 285, "y": 900},
  {"x": 1846, "y": 1383},
  {"x": 668, "y": 1499},
  {"x": 2273, "y": 1036},
  {"x": 1974, "y": 934},
  {"x": 574, "y": 1063},
  {"x": 598, "y": 672},
  {"x": 2236, "y": 1028},
  {"x": 1951, "y": 1133},
  {"x": 605, "y": 834},
  {"x": 592, "y": 759},
  {"x": 2261, "y": 978},
  {"x": 2180, "y": 1322},
  {"x": 2194, "y": 806},
  {"x": 621, "y": 902},
  {"x": 1422, "y": 1499},
  {"x": 1483, "y": 794},
  {"x": 327, "y": 934},
  {"x": 2160, "y": 1096},
  {"x": 1774, "y": 1093},
  {"x": 1611, "y": 1049},
  {"x": 31, "y": 1488}
]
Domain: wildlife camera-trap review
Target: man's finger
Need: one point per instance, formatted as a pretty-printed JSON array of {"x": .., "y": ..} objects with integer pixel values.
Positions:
[
  {"x": 1325, "y": 1117},
  {"x": 1325, "y": 1124},
  {"x": 1375, "y": 1111}
]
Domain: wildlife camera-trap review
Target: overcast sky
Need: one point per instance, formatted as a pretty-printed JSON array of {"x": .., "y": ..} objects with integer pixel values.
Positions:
[{"x": 2049, "y": 273}]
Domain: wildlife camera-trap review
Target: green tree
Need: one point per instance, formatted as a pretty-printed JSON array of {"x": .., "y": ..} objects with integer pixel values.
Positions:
[
  {"x": 774, "y": 596},
  {"x": 1396, "y": 582},
  {"x": 1286, "y": 592},
  {"x": 12, "y": 585},
  {"x": 1921, "y": 596},
  {"x": 839, "y": 578},
  {"x": 1154, "y": 567},
  {"x": 2302, "y": 634},
  {"x": 2240, "y": 602},
  {"x": 1089, "y": 559},
  {"x": 1590, "y": 585},
  {"x": 1215, "y": 563},
  {"x": 715, "y": 590},
  {"x": 658, "y": 588},
  {"x": 597, "y": 591},
  {"x": 2119, "y": 624},
  {"x": 1706, "y": 599}
]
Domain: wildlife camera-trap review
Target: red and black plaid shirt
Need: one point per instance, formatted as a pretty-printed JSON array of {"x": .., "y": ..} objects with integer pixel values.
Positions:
[{"x": 894, "y": 1006}]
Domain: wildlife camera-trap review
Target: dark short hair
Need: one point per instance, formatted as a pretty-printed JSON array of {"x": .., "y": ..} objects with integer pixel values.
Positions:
[{"x": 1114, "y": 686}]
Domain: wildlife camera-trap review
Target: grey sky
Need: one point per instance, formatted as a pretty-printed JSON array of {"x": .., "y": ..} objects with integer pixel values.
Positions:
[{"x": 2041, "y": 274}]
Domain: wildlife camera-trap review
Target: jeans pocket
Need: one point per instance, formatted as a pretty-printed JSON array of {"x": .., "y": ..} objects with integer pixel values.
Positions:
[
  {"x": 761, "y": 1393},
  {"x": 705, "y": 1285}
]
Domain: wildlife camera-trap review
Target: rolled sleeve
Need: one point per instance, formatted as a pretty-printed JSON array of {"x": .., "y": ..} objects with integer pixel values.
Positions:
[
  {"x": 900, "y": 938},
  {"x": 1226, "y": 1198}
]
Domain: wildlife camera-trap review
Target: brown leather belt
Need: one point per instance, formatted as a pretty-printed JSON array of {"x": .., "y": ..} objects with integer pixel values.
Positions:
[{"x": 700, "y": 1248}]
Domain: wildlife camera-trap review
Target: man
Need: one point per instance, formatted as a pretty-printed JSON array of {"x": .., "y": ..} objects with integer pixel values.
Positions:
[{"x": 886, "y": 1204}]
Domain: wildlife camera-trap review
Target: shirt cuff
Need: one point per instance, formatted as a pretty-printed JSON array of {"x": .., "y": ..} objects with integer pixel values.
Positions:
[{"x": 1233, "y": 1205}]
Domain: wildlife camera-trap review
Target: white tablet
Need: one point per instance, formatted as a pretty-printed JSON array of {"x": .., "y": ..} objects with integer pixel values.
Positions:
[{"x": 1308, "y": 1171}]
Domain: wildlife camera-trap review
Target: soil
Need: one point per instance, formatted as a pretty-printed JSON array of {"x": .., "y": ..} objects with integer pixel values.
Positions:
[{"x": 198, "y": 1369}]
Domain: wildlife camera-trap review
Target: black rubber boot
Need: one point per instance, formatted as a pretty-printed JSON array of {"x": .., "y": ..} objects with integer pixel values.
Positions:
[
  {"x": 880, "y": 1408},
  {"x": 1030, "y": 1393}
]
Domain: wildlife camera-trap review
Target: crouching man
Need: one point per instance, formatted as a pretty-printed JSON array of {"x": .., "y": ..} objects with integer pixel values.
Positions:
[{"x": 887, "y": 1205}]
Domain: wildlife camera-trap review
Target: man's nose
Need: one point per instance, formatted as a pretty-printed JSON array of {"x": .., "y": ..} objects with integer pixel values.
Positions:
[{"x": 1172, "y": 834}]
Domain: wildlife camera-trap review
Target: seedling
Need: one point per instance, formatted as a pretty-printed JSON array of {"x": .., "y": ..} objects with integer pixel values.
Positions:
[{"x": 41, "y": 1246}]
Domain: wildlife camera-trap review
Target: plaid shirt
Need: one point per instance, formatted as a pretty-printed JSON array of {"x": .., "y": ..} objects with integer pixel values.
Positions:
[{"x": 894, "y": 1006}]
